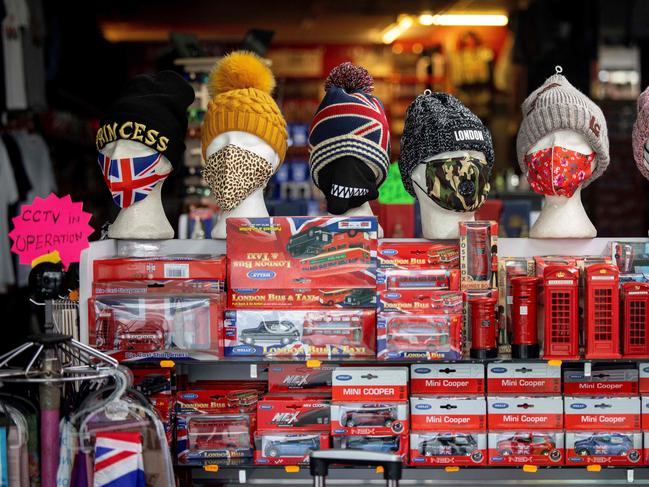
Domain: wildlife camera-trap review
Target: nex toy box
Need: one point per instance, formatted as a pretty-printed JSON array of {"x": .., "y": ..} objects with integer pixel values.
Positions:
[
  {"x": 210, "y": 268},
  {"x": 447, "y": 379},
  {"x": 363, "y": 419},
  {"x": 360, "y": 384},
  {"x": 478, "y": 254},
  {"x": 525, "y": 430},
  {"x": 523, "y": 378},
  {"x": 603, "y": 430},
  {"x": 413, "y": 253},
  {"x": 604, "y": 380},
  {"x": 305, "y": 253},
  {"x": 432, "y": 337},
  {"x": 448, "y": 431},
  {"x": 289, "y": 429},
  {"x": 301, "y": 333},
  {"x": 394, "y": 444},
  {"x": 298, "y": 378},
  {"x": 150, "y": 328},
  {"x": 302, "y": 298}
]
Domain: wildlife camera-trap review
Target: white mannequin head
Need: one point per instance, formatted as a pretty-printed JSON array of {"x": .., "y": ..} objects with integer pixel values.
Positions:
[
  {"x": 146, "y": 218},
  {"x": 253, "y": 206},
  {"x": 563, "y": 217},
  {"x": 438, "y": 222}
]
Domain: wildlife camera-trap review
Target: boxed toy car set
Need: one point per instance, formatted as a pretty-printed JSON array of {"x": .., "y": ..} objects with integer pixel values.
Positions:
[
  {"x": 300, "y": 333},
  {"x": 603, "y": 430},
  {"x": 523, "y": 378},
  {"x": 478, "y": 254},
  {"x": 419, "y": 301},
  {"x": 448, "y": 431},
  {"x": 298, "y": 378},
  {"x": 456, "y": 379},
  {"x": 368, "y": 419},
  {"x": 286, "y": 447},
  {"x": 412, "y": 253},
  {"x": 302, "y": 298},
  {"x": 525, "y": 430}
]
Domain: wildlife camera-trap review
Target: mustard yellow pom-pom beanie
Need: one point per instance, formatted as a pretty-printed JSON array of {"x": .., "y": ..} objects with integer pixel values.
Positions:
[{"x": 240, "y": 86}]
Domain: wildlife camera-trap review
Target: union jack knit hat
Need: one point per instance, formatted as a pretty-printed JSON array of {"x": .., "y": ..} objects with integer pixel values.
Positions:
[{"x": 350, "y": 122}]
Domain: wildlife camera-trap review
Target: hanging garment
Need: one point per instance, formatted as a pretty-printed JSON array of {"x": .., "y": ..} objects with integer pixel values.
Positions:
[
  {"x": 34, "y": 52},
  {"x": 118, "y": 460},
  {"x": 13, "y": 29},
  {"x": 8, "y": 196},
  {"x": 14, "y": 445},
  {"x": 67, "y": 446},
  {"x": 80, "y": 471},
  {"x": 4, "y": 480}
]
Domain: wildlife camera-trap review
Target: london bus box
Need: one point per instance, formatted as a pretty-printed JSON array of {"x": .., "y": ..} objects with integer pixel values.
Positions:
[
  {"x": 288, "y": 447},
  {"x": 301, "y": 252},
  {"x": 421, "y": 336},
  {"x": 408, "y": 253},
  {"x": 455, "y": 379},
  {"x": 418, "y": 280},
  {"x": 448, "y": 431},
  {"x": 195, "y": 267},
  {"x": 603, "y": 430},
  {"x": 300, "y": 333},
  {"x": 478, "y": 254},
  {"x": 604, "y": 380},
  {"x": 523, "y": 378},
  {"x": 525, "y": 430},
  {"x": 368, "y": 418},
  {"x": 419, "y": 301},
  {"x": 148, "y": 328},
  {"x": 299, "y": 378},
  {"x": 362, "y": 297}
]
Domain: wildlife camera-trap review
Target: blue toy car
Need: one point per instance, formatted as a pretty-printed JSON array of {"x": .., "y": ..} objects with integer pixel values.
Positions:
[
  {"x": 606, "y": 444},
  {"x": 380, "y": 444},
  {"x": 292, "y": 447}
]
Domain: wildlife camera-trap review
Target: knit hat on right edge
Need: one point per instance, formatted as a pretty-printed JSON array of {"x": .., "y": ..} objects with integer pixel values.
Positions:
[
  {"x": 557, "y": 105},
  {"x": 641, "y": 134},
  {"x": 436, "y": 123}
]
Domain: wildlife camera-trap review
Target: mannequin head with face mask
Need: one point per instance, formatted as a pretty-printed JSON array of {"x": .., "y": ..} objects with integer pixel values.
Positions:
[
  {"x": 349, "y": 142},
  {"x": 244, "y": 137},
  {"x": 562, "y": 146},
  {"x": 446, "y": 160},
  {"x": 139, "y": 140}
]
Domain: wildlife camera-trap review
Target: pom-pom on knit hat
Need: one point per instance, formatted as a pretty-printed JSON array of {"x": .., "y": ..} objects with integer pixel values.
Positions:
[
  {"x": 436, "y": 123},
  {"x": 350, "y": 122},
  {"x": 240, "y": 86},
  {"x": 557, "y": 105},
  {"x": 641, "y": 134}
]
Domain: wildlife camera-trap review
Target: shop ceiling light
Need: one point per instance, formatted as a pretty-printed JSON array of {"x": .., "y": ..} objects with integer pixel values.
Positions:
[
  {"x": 393, "y": 31},
  {"x": 469, "y": 19},
  {"x": 426, "y": 18}
]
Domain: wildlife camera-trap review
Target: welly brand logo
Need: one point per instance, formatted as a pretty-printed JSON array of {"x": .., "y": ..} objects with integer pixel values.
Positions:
[
  {"x": 343, "y": 377},
  {"x": 392, "y": 295},
  {"x": 500, "y": 405},
  {"x": 189, "y": 395},
  {"x": 578, "y": 405},
  {"x": 422, "y": 370},
  {"x": 246, "y": 291},
  {"x": 244, "y": 349},
  {"x": 266, "y": 407},
  {"x": 499, "y": 370},
  {"x": 261, "y": 275},
  {"x": 389, "y": 251},
  {"x": 423, "y": 407},
  {"x": 468, "y": 135},
  {"x": 646, "y": 369}
]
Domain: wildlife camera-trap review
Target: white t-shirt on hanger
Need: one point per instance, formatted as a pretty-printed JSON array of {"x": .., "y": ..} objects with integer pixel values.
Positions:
[{"x": 13, "y": 30}]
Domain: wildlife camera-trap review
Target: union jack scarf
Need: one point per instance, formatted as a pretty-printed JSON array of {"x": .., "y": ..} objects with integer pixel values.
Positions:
[{"x": 118, "y": 460}]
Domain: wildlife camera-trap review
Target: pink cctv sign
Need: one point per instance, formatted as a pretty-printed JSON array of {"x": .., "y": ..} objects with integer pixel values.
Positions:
[{"x": 51, "y": 224}]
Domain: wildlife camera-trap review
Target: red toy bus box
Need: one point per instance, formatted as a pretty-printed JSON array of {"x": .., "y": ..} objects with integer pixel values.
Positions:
[
  {"x": 523, "y": 378},
  {"x": 415, "y": 253},
  {"x": 300, "y": 333},
  {"x": 448, "y": 414},
  {"x": 296, "y": 414},
  {"x": 361, "y": 297},
  {"x": 604, "y": 380},
  {"x": 525, "y": 430},
  {"x": 429, "y": 337},
  {"x": 416, "y": 301},
  {"x": 203, "y": 398},
  {"x": 373, "y": 384},
  {"x": 208, "y": 267},
  {"x": 394, "y": 444},
  {"x": 417, "y": 280},
  {"x": 301, "y": 252},
  {"x": 287, "y": 447},
  {"x": 361, "y": 419},
  {"x": 168, "y": 286},
  {"x": 149, "y": 328},
  {"x": 603, "y": 430},
  {"x": 454, "y": 379},
  {"x": 478, "y": 254},
  {"x": 449, "y": 448},
  {"x": 299, "y": 378}
]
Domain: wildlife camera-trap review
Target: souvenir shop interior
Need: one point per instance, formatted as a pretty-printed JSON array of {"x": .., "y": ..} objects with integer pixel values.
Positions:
[{"x": 309, "y": 243}]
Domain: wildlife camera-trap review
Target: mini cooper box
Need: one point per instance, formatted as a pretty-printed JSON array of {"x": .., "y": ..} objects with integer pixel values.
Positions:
[
  {"x": 523, "y": 378},
  {"x": 608, "y": 380},
  {"x": 525, "y": 430},
  {"x": 358, "y": 419},
  {"x": 603, "y": 430},
  {"x": 361, "y": 384},
  {"x": 301, "y": 253},
  {"x": 456, "y": 379}
]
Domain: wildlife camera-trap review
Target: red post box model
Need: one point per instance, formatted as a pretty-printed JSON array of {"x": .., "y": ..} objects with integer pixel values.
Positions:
[
  {"x": 636, "y": 319},
  {"x": 525, "y": 343},
  {"x": 602, "y": 312},
  {"x": 483, "y": 328},
  {"x": 561, "y": 299}
]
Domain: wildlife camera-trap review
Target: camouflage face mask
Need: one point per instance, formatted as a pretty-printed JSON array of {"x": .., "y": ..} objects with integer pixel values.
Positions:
[{"x": 458, "y": 183}]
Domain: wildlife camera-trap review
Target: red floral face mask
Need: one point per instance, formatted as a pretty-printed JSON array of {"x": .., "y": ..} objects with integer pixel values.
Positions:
[{"x": 557, "y": 171}]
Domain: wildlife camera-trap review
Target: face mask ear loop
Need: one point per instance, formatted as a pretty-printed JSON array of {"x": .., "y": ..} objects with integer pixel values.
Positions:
[{"x": 422, "y": 190}]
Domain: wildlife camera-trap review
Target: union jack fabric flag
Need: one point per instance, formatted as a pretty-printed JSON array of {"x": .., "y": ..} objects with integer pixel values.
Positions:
[
  {"x": 444, "y": 450},
  {"x": 131, "y": 179},
  {"x": 523, "y": 449},
  {"x": 118, "y": 460},
  {"x": 601, "y": 449}
]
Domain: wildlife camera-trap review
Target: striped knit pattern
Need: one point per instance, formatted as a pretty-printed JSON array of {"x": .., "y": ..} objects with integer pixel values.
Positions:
[{"x": 557, "y": 105}]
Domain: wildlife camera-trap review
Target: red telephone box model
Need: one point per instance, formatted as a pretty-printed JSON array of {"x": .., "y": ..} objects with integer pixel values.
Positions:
[
  {"x": 561, "y": 298},
  {"x": 602, "y": 311},
  {"x": 483, "y": 328},
  {"x": 636, "y": 319},
  {"x": 525, "y": 343}
]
